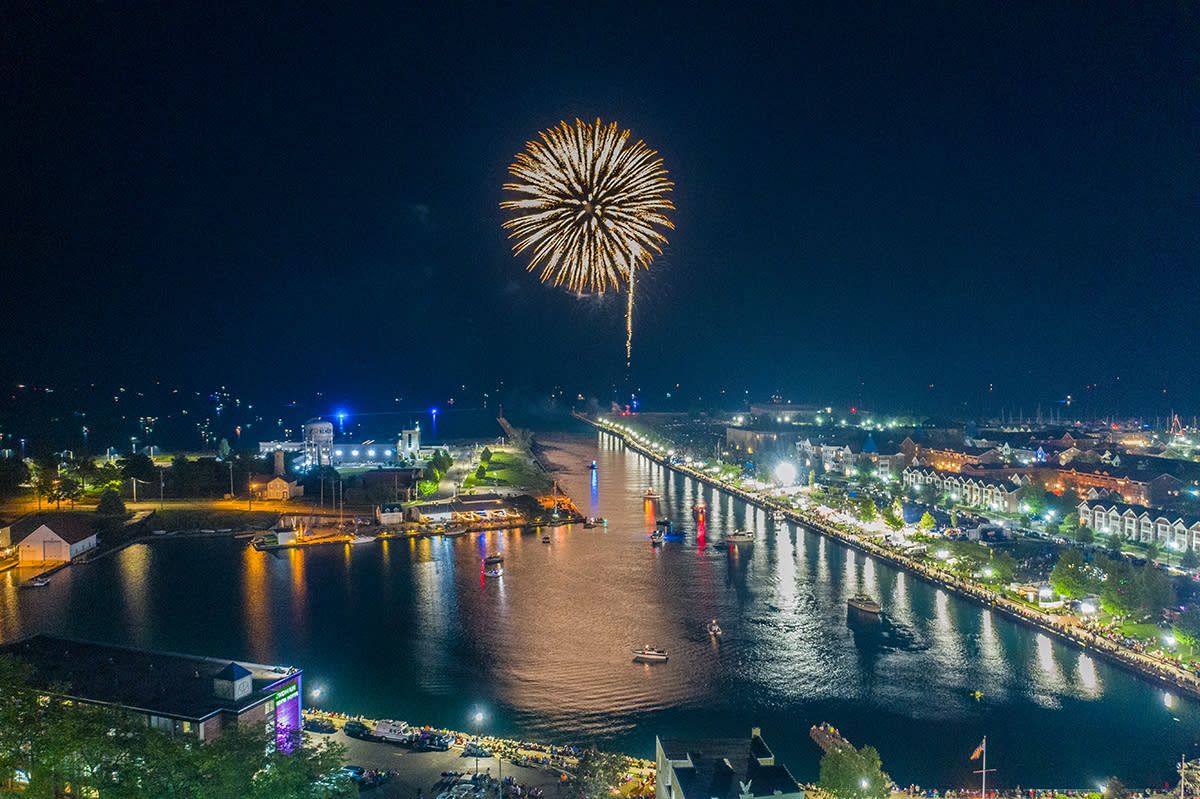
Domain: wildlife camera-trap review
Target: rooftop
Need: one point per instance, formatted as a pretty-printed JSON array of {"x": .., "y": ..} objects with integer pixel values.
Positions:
[
  {"x": 70, "y": 527},
  {"x": 160, "y": 682},
  {"x": 720, "y": 765}
]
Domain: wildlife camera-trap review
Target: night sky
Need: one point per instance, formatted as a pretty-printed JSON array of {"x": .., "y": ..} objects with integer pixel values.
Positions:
[{"x": 869, "y": 201}]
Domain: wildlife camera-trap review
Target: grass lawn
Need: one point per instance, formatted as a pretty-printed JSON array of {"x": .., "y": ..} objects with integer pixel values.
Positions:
[
  {"x": 509, "y": 469},
  {"x": 195, "y": 519}
]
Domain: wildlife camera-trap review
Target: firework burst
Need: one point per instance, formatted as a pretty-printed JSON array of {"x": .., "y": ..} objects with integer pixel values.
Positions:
[{"x": 591, "y": 208}]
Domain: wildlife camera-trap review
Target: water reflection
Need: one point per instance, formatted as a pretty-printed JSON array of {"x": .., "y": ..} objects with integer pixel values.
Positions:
[{"x": 408, "y": 629}]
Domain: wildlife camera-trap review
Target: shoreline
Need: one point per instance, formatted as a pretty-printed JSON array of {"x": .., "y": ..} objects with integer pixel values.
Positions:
[{"x": 1159, "y": 674}]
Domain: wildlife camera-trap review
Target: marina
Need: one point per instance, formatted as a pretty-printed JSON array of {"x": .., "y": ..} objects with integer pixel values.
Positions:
[{"x": 790, "y": 653}]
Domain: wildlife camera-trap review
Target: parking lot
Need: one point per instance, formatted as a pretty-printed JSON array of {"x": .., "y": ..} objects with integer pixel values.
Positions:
[{"x": 419, "y": 773}]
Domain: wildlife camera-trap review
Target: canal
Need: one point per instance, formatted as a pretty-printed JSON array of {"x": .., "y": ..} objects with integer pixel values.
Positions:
[{"x": 412, "y": 630}]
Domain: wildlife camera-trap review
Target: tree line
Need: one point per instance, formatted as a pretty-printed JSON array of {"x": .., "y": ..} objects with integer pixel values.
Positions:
[{"x": 49, "y": 748}]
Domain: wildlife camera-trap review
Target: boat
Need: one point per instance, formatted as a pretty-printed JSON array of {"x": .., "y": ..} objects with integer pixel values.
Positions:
[
  {"x": 740, "y": 537},
  {"x": 652, "y": 494},
  {"x": 592, "y": 521},
  {"x": 864, "y": 603},
  {"x": 498, "y": 571},
  {"x": 650, "y": 654},
  {"x": 36, "y": 582},
  {"x": 656, "y": 538},
  {"x": 546, "y": 538},
  {"x": 593, "y": 466},
  {"x": 778, "y": 516},
  {"x": 493, "y": 559},
  {"x": 714, "y": 629},
  {"x": 362, "y": 539},
  {"x": 700, "y": 510},
  {"x": 664, "y": 525}
]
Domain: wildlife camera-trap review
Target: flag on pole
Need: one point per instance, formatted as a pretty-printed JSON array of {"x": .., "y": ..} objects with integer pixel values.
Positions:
[{"x": 979, "y": 749}]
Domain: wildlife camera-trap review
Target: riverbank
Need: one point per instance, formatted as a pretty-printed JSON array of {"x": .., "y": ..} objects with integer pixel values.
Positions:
[{"x": 1065, "y": 628}]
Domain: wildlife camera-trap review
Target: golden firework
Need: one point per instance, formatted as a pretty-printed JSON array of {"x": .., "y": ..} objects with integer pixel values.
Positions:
[{"x": 591, "y": 209}]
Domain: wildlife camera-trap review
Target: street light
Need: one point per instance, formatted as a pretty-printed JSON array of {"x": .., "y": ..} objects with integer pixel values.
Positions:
[{"x": 478, "y": 719}]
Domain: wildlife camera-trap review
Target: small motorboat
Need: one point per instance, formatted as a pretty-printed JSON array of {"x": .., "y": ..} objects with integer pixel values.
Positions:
[
  {"x": 714, "y": 629},
  {"x": 494, "y": 559},
  {"x": 664, "y": 525},
  {"x": 592, "y": 521},
  {"x": 546, "y": 538},
  {"x": 656, "y": 538},
  {"x": 740, "y": 537},
  {"x": 778, "y": 516},
  {"x": 650, "y": 654},
  {"x": 865, "y": 603},
  {"x": 362, "y": 539},
  {"x": 593, "y": 466},
  {"x": 652, "y": 494},
  {"x": 497, "y": 571},
  {"x": 700, "y": 510},
  {"x": 36, "y": 582}
]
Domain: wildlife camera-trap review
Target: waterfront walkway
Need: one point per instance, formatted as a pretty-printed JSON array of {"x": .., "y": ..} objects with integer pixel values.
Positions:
[{"x": 820, "y": 520}]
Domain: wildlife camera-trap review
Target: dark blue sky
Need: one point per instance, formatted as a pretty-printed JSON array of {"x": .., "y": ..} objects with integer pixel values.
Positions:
[{"x": 871, "y": 200}]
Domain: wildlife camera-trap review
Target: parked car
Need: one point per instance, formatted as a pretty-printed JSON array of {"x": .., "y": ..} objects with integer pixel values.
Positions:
[
  {"x": 356, "y": 729},
  {"x": 319, "y": 725}
]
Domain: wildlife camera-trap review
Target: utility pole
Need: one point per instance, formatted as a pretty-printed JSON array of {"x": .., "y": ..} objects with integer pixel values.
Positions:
[
  {"x": 231, "y": 479},
  {"x": 160, "y": 489},
  {"x": 134, "y": 481}
]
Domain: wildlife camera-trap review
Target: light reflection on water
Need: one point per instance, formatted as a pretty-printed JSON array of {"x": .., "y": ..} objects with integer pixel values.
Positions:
[{"x": 411, "y": 629}]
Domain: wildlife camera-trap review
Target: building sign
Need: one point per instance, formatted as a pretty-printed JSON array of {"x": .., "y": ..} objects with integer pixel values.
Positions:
[{"x": 287, "y": 716}]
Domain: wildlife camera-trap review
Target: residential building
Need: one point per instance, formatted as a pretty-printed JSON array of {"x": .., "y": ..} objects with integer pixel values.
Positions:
[
  {"x": 177, "y": 694},
  {"x": 1140, "y": 523},
  {"x": 721, "y": 768},
  {"x": 991, "y": 493},
  {"x": 50, "y": 536},
  {"x": 275, "y": 486}
]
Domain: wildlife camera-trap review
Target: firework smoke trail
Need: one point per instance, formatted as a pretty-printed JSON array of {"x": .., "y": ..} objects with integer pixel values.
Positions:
[{"x": 590, "y": 209}]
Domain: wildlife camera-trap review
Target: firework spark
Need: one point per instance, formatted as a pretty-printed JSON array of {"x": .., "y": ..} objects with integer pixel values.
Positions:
[{"x": 591, "y": 209}]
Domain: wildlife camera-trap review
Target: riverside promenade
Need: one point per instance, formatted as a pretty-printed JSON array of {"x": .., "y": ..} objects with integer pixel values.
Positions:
[{"x": 1065, "y": 628}]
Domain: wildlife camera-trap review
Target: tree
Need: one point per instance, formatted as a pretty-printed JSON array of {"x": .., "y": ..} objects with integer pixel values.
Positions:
[
  {"x": 223, "y": 449},
  {"x": 111, "y": 503},
  {"x": 1115, "y": 542},
  {"x": 892, "y": 519},
  {"x": 64, "y": 488},
  {"x": 867, "y": 510},
  {"x": 485, "y": 456},
  {"x": 927, "y": 522},
  {"x": 1190, "y": 560},
  {"x": 13, "y": 474},
  {"x": 481, "y": 472},
  {"x": 1070, "y": 576},
  {"x": 137, "y": 466},
  {"x": 1152, "y": 590},
  {"x": 597, "y": 774},
  {"x": 849, "y": 773},
  {"x": 85, "y": 469},
  {"x": 107, "y": 751},
  {"x": 1084, "y": 535},
  {"x": 1152, "y": 551}
]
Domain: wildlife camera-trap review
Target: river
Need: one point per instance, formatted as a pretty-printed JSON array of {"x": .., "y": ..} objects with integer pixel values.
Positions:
[{"x": 411, "y": 629}]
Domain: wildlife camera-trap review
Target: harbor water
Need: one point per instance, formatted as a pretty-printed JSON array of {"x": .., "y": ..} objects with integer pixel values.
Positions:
[{"x": 412, "y": 629}]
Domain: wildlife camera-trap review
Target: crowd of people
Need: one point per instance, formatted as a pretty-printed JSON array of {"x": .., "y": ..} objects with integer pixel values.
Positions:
[{"x": 1158, "y": 664}]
